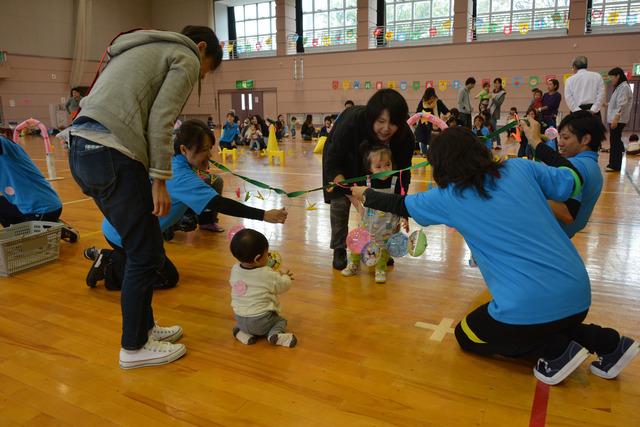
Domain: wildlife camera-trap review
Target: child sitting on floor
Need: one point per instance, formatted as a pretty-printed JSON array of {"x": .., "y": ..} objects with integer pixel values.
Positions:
[
  {"x": 254, "y": 291},
  {"x": 380, "y": 225},
  {"x": 634, "y": 146}
]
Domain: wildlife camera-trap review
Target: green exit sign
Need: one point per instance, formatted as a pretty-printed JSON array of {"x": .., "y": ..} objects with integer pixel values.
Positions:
[
  {"x": 636, "y": 70},
  {"x": 244, "y": 84}
]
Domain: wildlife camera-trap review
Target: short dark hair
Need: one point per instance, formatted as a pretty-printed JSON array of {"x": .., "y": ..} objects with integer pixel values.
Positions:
[
  {"x": 555, "y": 83},
  {"x": 375, "y": 149},
  {"x": 582, "y": 123},
  {"x": 633, "y": 137},
  {"x": 536, "y": 90},
  {"x": 390, "y": 100},
  {"x": 617, "y": 71},
  {"x": 348, "y": 101},
  {"x": 460, "y": 159},
  {"x": 328, "y": 118},
  {"x": 514, "y": 109},
  {"x": 479, "y": 117},
  {"x": 199, "y": 34},
  {"x": 192, "y": 135},
  {"x": 247, "y": 244},
  {"x": 429, "y": 93},
  {"x": 454, "y": 112},
  {"x": 469, "y": 81}
]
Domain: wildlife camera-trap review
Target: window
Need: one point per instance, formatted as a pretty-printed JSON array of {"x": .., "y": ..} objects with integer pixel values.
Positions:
[
  {"x": 519, "y": 18},
  {"x": 613, "y": 15},
  {"x": 415, "y": 20},
  {"x": 329, "y": 23},
  {"x": 255, "y": 28}
]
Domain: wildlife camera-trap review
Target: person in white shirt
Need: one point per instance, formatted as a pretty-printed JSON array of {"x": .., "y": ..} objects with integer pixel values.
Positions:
[
  {"x": 618, "y": 115},
  {"x": 585, "y": 89},
  {"x": 255, "y": 287}
]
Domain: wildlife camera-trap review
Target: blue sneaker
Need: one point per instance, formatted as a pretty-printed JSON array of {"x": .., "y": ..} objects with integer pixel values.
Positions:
[
  {"x": 554, "y": 371},
  {"x": 610, "y": 365}
]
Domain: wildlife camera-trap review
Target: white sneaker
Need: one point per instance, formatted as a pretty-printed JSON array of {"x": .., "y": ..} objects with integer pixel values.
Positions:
[
  {"x": 381, "y": 276},
  {"x": 167, "y": 334},
  {"x": 151, "y": 354},
  {"x": 350, "y": 270}
]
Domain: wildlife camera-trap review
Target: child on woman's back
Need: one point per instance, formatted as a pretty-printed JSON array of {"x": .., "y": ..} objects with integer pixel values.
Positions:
[{"x": 254, "y": 291}]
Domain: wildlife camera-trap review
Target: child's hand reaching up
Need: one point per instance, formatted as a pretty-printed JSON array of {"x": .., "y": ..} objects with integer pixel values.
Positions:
[{"x": 276, "y": 216}]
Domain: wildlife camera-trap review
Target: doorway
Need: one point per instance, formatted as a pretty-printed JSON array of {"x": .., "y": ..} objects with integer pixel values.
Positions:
[
  {"x": 247, "y": 103},
  {"x": 634, "y": 120}
]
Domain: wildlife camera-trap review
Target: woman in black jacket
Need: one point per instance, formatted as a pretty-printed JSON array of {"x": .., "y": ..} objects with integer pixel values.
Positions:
[
  {"x": 382, "y": 121},
  {"x": 428, "y": 104}
]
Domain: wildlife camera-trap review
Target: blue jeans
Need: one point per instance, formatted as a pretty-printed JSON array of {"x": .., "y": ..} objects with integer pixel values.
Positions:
[{"x": 121, "y": 188}]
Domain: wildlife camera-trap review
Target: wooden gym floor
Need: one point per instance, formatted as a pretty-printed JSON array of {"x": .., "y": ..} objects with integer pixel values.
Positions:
[{"x": 368, "y": 355}]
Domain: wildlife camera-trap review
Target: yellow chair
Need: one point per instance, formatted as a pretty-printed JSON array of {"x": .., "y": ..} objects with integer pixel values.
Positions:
[
  {"x": 278, "y": 154},
  {"x": 227, "y": 152},
  {"x": 320, "y": 145}
]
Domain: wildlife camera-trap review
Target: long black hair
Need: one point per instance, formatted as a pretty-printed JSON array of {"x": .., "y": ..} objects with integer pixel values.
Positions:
[
  {"x": 390, "y": 100},
  {"x": 205, "y": 34},
  {"x": 192, "y": 135},
  {"x": 617, "y": 71},
  {"x": 460, "y": 159}
]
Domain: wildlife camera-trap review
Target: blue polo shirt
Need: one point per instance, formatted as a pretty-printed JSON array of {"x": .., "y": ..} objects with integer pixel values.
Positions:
[
  {"x": 22, "y": 184},
  {"x": 186, "y": 189},
  {"x": 531, "y": 268},
  {"x": 587, "y": 164}
]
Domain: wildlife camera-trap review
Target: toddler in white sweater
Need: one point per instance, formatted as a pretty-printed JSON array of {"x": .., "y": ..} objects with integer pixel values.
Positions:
[{"x": 255, "y": 287}]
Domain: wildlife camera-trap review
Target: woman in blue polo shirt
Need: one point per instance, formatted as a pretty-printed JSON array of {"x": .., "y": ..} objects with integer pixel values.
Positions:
[
  {"x": 24, "y": 193},
  {"x": 193, "y": 143},
  {"x": 539, "y": 284},
  {"x": 581, "y": 134}
]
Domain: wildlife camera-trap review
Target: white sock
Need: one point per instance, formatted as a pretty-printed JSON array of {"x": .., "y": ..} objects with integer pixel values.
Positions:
[
  {"x": 284, "y": 339},
  {"x": 244, "y": 337}
]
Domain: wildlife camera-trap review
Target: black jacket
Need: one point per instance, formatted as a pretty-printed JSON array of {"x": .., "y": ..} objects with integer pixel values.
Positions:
[{"x": 347, "y": 144}]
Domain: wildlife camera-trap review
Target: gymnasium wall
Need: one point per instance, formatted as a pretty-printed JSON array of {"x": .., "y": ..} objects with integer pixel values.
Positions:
[{"x": 523, "y": 58}]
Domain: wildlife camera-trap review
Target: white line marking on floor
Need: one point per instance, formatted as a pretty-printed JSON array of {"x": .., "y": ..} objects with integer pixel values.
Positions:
[{"x": 439, "y": 331}]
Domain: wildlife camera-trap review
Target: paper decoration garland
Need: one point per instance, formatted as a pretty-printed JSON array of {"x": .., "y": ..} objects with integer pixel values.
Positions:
[
  {"x": 428, "y": 83},
  {"x": 335, "y": 84},
  {"x": 517, "y": 82},
  {"x": 346, "y": 84},
  {"x": 391, "y": 84},
  {"x": 613, "y": 18},
  {"x": 379, "y": 85},
  {"x": 403, "y": 85},
  {"x": 415, "y": 85},
  {"x": 523, "y": 28},
  {"x": 367, "y": 85},
  {"x": 442, "y": 85},
  {"x": 456, "y": 84},
  {"x": 507, "y": 30},
  {"x": 356, "y": 84}
]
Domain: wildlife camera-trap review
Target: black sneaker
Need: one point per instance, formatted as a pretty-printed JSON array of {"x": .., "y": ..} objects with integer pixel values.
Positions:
[
  {"x": 340, "y": 259},
  {"x": 390, "y": 262},
  {"x": 555, "y": 371},
  {"x": 610, "y": 365},
  {"x": 96, "y": 272}
]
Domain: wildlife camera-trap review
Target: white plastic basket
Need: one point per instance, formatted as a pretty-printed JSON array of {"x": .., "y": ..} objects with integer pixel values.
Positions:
[{"x": 28, "y": 244}]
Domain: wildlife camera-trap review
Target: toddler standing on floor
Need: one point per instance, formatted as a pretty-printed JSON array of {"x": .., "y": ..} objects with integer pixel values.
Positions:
[
  {"x": 379, "y": 224},
  {"x": 254, "y": 291}
]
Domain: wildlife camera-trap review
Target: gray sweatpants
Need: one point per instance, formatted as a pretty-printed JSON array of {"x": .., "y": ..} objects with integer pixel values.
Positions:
[
  {"x": 267, "y": 324},
  {"x": 339, "y": 217}
]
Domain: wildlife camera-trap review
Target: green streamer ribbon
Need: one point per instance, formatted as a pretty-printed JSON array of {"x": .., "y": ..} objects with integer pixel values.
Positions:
[{"x": 385, "y": 174}]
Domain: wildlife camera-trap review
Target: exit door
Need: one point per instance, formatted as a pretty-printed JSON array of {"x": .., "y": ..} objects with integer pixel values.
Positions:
[{"x": 247, "y": 103}]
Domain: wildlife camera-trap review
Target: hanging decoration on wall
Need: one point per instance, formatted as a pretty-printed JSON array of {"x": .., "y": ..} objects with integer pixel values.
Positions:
[
  {"x": 268, "y": 41},
  {"x": 596, "y": 13},
  {"x": 456, "y": 84},
  {"x": 415, "y": 85},
  {"x": 230, "y": 47},
  {"x": 305, "y": 40},
  {"x": 351, "y": 33},
  {"x": 401, "y": 37},
  {"x": 565, "y": 76},
  {"x": 556, "y": 17},
  {"x": 346, "y": 84},
  {"x": 377, "y": 32},
  {"x": 613, "y": 17},
  {"x": 632, "y": 19},
  {"x": 507, "y": 30},
  {"x": 367, "y": 85},
  {"x": 505, "y": 82},
  {"x": 446, "y": 25},
  {"x": 403, "y": 85},
  {"x": 428, "y": 84},
  {"x": 443, "y": 85},
  {"x": 379, "y": 85},
  {"x": 326, "y": 41},
  {"x": 356, "y": 84},
  {"x": 517, "y": 82},
  {"x": 523, "y": 27},
  {"x": 335, "y": 84},
  {"x": 433, "y": 32},
  {"x": 534, "y": 81},
  {"x": 389, "y": 36},
  {"x": 539, "y": 24},
  {"x": 314, "y": 42},
  {"x": 392, "y": 84},
  {"x": 258, "y": 46}
]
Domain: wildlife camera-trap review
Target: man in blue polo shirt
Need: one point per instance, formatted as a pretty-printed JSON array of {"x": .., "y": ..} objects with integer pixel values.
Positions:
[
  {"x": 581, "y": 135},
  {"x": 25, "y": 195}
]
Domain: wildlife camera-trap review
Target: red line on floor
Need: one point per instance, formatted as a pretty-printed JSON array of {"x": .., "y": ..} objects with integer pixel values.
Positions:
[{"x": 539, "y": 406}]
